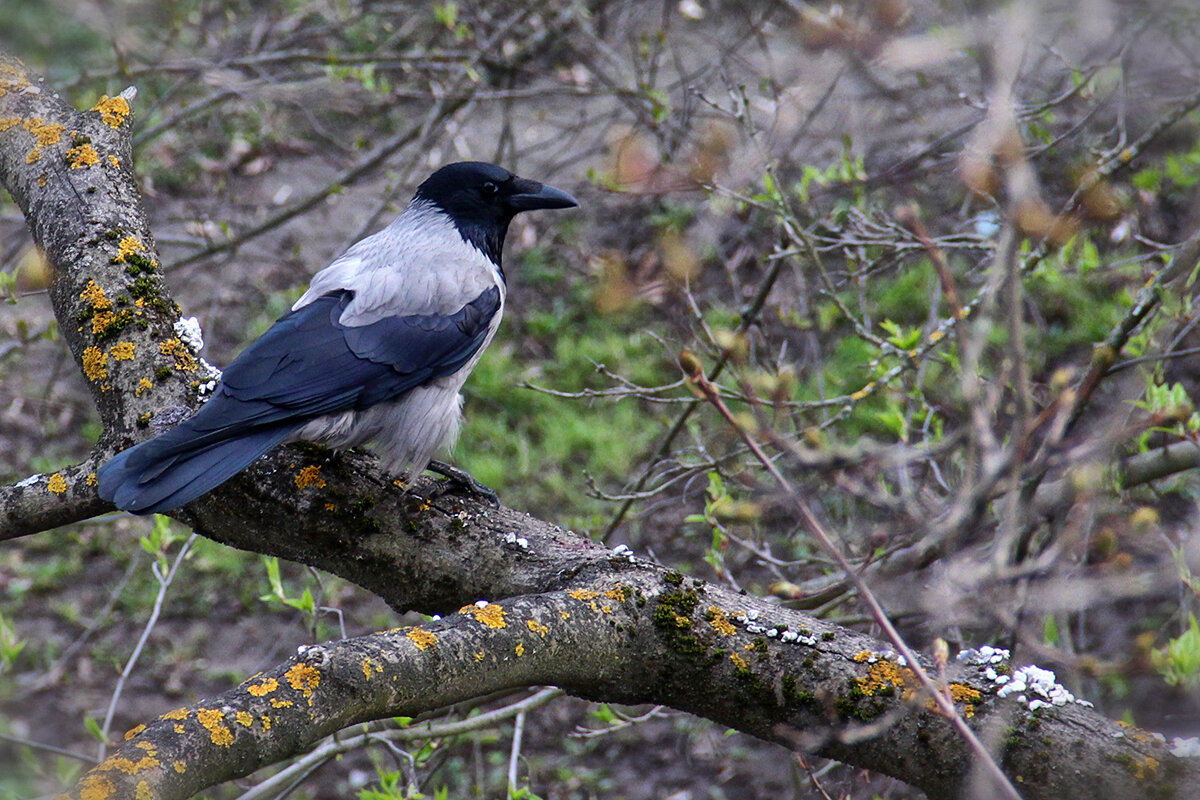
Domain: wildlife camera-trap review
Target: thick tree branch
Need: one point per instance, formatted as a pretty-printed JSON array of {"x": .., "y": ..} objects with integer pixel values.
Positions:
[
  {"x": 574, "y": 614},
  {"x": 636, "y": 633}
]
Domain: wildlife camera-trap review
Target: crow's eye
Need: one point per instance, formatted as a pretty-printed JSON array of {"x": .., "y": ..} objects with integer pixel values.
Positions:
[{"x": 489, "y": 189}]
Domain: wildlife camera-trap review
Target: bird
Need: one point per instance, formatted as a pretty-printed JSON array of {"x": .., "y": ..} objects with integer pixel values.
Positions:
[{"x": 375, "y": 351}]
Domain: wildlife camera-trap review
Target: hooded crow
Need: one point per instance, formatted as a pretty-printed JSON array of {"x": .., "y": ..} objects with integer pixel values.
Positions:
[{"x": 375, "y": 351}]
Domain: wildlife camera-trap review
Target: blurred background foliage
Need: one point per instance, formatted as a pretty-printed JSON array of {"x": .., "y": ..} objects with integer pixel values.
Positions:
[{"x": 800, "y": 195}]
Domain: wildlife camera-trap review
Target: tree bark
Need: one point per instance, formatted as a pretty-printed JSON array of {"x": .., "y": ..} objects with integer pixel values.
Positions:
[{"x": 527, "y": 603}]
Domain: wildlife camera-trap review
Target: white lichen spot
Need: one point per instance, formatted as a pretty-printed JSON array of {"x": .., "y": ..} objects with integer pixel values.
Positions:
[
  {"x": 1037, "y": 688},
  {"x": 188, "y": 331},
  {"x": 752, "y": 614},
  {"x": 30, "y": 481},
  {"x": 984, "y": 655},
  {"x": 789, "y": 636},
  {"x": 773, "y": 632},
  {"x": 1185, "y": 748},
  {"x": 482, "y": 604}
]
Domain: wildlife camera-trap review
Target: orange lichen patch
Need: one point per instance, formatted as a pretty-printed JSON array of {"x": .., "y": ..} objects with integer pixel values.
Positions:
[
  {"x": 213, "y": 721},
  {"x": 82, "y": 156},
  {"x": 95, "y": 297},
  {"x": 720, "y": 621},
  {"x": 520, "y": 649},
  {"x": 116, "y": 162},
  {"x": 9, "y": 122},
  {"x": 57, "y": 483},
  {"x": 266, "y": 722},
  {"x": 422, "y": 638},
  {"x": 184, "y": 360},
  {"x": 113, "y": 110},
  {"x": 128, "y": 765},
  {"x": 967, "y": 696},
  {"x": 887, "y": 675},
  {"x": 541, "y": 629},
  {"x": 330, "y": 506},
  {"x": 90, "y": 480},
  {"x": 738, "y": 661},
  {"x": 244, "y": 718},
  {"x": 619, "y": 593},
  {"x": 371, "y": 667},
  {"x": 95, "y": 364},
  {"x": 127, "y": 247},
  {"x": 142, "y": 386},
  {"x": 122, "y": 351},
  {"x": 277, "y": 703},
  {"x": 478, "y": 656},
  {"x": 304, "y": 679},
  {"x": 134, "y": 731},
  {"x": 584, "y": 594},
  {"x": 262, "y": 689},
  {"x": 310, "y": 476},
  {"x": 1143, "y": 768},
  {"x": 564, "y": 614},
  {"x": 178, "y": 727},
  {"x": 96, "y": 787},
  {"x": 143, "y": 791},
  {"x": 490, "y": 614},
  {"x": 101, "y": 320},
  {"x": 46, "y": 135},
  {"x": 863, "y": 655},
  {"x": 179, "y": 713},
  {"x": 179, "y": 767}
]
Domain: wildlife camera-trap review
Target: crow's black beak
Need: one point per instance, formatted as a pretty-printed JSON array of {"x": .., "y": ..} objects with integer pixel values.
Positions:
[{"x": 531, "y": 195}]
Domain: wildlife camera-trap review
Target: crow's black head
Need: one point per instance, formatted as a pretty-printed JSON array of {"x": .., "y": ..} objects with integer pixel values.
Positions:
[{"x": 482, "y": 199}]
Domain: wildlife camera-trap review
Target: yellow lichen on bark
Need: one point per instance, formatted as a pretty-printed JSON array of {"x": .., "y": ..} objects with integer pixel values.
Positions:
[
  {"x": 968, "y": 696},
  {"x": 9, "y": 122},
  {"x": 128, "y": 765},
  {"x": 310, "y": 476},
  {"x": 541, "y": 629},
  {"x": 94, "y": 296},
  {"x": 304, "y": 679},
  {"x": 720, "y": 621},
  {"x": 95, "y": 364},
  {"x": 244, "y": 718},
  {"x": 45, "y": 135},
  {"x": 96, "y": 787},
  {"x": 490, "y": 614},
  {"x": 82, "y": 157},
  {"x": 57, "y": 483},
  {"x": 179, "y": 713},
  {"x": 143, "y": 791},
  {"x": 123, "y": 351},
  {"x": 262, "y": 689},
  {"x": 134, "y": 731},
  {"x": 422, "y": 638},
  {"x": 520, "y": 649},
  {"x": 738, "y": 661},
  {"x": 213, "y": 721},
  {"x": 371, "y": 667},
  {"x": 113, "y": 110},
  {"x": 127, "y": 247},
  {"x": 179, "y": 767},
  {"x": 884, "y": 674},
  {"x": 184, "y": 360}
]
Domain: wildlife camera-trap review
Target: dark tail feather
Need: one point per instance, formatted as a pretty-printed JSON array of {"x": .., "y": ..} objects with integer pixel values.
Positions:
[{"x": 163, "y": 473}]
